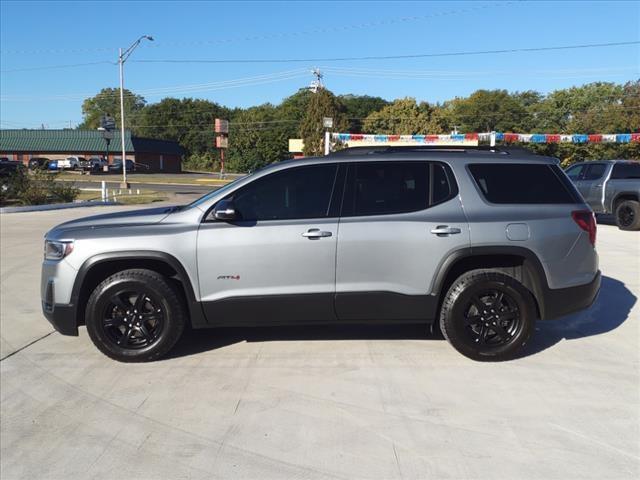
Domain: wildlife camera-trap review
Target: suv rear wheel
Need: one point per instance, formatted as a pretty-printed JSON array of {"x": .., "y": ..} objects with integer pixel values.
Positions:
[
  {"x": 135, "y": 316},
  {"x": 487, "y": 315},
  {"x": 628, "y": 215}
]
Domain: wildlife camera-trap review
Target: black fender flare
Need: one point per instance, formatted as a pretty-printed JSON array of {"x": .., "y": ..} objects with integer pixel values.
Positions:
[
  {"x": 535, "y": 277},
  {"x": 194, "y": 306}
]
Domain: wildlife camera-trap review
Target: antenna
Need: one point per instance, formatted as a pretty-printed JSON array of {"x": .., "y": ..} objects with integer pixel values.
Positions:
[{"x": 317, "y": 83}]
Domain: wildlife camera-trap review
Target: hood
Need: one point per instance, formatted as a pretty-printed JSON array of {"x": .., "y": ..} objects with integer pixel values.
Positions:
[{"x": 145, "y": 216}]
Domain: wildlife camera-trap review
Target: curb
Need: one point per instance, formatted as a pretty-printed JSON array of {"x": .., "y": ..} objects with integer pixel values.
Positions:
[
  {"x": 146, "y": 183},
  {"x": 54, "y": 206}
]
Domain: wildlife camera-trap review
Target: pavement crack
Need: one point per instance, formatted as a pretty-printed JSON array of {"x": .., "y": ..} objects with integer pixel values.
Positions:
[{"x": 26, "y": 346}]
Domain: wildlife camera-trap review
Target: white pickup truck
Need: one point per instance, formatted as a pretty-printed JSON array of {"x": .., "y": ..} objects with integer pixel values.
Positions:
[
  {"x": 610, "y": 186},
  {"x": 71, "y": 163}
]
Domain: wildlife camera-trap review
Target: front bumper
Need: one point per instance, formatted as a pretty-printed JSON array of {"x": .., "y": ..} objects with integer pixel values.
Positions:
[
  {"x": 563, "y": 301},
  {"x": 62, "y": 317}
]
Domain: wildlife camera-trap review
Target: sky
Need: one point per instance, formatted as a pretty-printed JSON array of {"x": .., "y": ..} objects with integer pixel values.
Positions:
[{"x": 54, "y": 54}]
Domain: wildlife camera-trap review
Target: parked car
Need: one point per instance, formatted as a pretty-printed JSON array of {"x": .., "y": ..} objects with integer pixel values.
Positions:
[
  {"x": 53, "y": 165},
  {"x": 116, "y": 166},
  {"x": 39, "y": 162},
  {"x": 71, "y": 163},
  {"x": 610, "y": 187},
  {"x": 94, "y": 164},
  {"x": 480, "y": 242},
  {"x": 8, "y": 167}
]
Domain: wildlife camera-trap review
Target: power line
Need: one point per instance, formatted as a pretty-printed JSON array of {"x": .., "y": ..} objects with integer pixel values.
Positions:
[
  {"x": 335, "y": 59},
  {"x": 276, "y": 35},
  {"x": 176, "y": 89},
  {"x": 397, "y": 57},
  {"x": 54, "y": 67}
]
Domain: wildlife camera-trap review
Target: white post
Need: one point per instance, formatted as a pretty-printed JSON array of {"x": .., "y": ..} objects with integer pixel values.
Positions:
[
  {"x": 492, "y": 141},
  {"x": 124, "y": 153},
  {"x": 327, "y": 142},
  {"x": 103, "y": 191}
]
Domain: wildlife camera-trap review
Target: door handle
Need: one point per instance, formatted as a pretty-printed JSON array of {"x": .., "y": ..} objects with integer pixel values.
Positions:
[
  {"x": 314, "y": 233},
  {"x": 445, "y": 230}
]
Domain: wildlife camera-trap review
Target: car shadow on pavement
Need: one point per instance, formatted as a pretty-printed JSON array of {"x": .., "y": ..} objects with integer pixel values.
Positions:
[
  {"x": 610, "y": 310},
  {"x": 197, "y": 341}
]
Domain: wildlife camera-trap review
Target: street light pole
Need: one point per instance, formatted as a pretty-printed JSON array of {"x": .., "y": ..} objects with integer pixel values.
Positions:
[
  {"x": 122, "y": 142},
  {"x": 122, "y": 57}
]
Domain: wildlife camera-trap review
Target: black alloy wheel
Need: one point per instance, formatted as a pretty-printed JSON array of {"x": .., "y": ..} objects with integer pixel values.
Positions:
[
  {"x": 488, "y": 315},
  {"x": 492, "y": 318},
  {"x": 136, "y": 315},
  {"x": 132, "y": 320},
  {"x": 626, "y": 216}
]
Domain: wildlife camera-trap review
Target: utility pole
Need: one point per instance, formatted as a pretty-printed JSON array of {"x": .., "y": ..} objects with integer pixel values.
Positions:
[
  {"x": 122, "y": 57},
  {"x": 317, "y": 83}
]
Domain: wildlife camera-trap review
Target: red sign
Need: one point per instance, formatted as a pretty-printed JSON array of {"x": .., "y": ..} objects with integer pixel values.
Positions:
[{"x": 221, "y": 126}]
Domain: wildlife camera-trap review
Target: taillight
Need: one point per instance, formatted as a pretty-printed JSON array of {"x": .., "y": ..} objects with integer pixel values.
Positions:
[{"x": 586, "y": 220}]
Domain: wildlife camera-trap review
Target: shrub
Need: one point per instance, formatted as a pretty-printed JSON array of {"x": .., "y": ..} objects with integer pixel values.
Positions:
[
  {"x": 36, "y": 187},
  {"x": 202, "y": 162}
]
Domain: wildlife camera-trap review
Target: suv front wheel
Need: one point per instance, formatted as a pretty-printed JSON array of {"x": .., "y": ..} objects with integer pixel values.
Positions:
[
  {"x": 487, "y": 315},
  {"x": 135, "y": 316}
]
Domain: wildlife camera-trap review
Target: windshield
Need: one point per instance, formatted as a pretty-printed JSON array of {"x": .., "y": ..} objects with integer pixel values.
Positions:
[{"x": 206, "y": 197}]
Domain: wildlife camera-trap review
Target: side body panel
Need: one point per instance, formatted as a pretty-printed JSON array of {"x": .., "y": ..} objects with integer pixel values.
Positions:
[
  {"x": 266, "y": 265},
  {"x": 395, "y": 256}
]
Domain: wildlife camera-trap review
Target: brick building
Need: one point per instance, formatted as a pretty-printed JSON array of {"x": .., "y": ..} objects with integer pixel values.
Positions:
[{"x": 22, "y": 145}]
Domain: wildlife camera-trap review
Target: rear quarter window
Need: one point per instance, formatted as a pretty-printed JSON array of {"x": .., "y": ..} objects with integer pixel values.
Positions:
[
  {"x": 626, "y": 171},
  {"x": 524, "y": 183}
]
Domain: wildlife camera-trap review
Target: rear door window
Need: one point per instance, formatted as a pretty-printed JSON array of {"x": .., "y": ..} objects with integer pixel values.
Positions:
[
  {"x": 386, "y": 188},
  {"x": 524, "y": 183}
]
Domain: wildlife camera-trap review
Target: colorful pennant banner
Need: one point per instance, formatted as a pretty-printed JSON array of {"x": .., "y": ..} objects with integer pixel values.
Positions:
[{"x": 486, "y": 137}]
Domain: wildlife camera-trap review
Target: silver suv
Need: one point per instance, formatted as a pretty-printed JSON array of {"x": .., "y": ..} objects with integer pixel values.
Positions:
[{"x": 478, "y": 242}]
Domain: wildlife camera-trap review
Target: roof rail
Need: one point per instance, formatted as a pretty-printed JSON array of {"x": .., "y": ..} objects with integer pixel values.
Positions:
[{"x": 388, "y": 149}]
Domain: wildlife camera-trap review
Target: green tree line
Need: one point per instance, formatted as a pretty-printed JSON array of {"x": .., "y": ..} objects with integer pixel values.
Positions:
[{"x": 259, "y": 135}]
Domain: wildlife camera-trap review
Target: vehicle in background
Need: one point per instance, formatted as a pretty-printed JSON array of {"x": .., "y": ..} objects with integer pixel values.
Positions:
[
  {"x": 8, "y": 167},
  {"x": 94, "y": 164},
  {"x": 116, "y": 166},
  {"x": 71, "y": 163},
  {"x": 141, "y": 167},
  {"x": 53, "y": 165},
  {"x": 610, "y": 187},
  {"x": 39, "y": 162}
]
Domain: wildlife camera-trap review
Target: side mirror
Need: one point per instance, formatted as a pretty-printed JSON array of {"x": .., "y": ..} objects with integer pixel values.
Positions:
[{"x": 224, "y": 211}]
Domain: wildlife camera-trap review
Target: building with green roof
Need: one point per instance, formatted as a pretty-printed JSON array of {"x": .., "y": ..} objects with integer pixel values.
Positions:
[{"x": 22, "y": 145}]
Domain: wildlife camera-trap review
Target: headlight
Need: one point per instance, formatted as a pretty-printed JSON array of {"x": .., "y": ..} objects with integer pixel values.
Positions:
[{"x": 57, "y": 250}]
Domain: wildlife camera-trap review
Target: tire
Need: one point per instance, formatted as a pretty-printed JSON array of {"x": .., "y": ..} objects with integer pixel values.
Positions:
[
  {"x": 487, "y": 315},
  {"x": 628, "y": 215},
  {"x": 114, "y": 304}
]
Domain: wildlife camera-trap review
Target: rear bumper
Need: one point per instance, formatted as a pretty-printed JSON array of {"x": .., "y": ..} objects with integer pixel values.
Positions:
[
  {"x": 563, "y": 301},
  {"x": 62, "y": 317}
]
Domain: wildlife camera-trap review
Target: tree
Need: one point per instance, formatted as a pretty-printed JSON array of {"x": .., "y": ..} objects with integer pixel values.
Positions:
[
  {"x": 322, "y": 104},
  {"x": 358, "y": 108},
  {"x": 585, "y": 109},
  {"x": 489, "y": 110},
  {"x": 257, "y": 138},
  {"x": 107, "y": 102},
  {"x": 403, "y": 117},
  {"x": 188, "y": 121}
]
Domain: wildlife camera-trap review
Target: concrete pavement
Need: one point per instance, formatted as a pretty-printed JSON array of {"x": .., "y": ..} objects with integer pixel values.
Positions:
[{"x": 322, "y": 402}]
